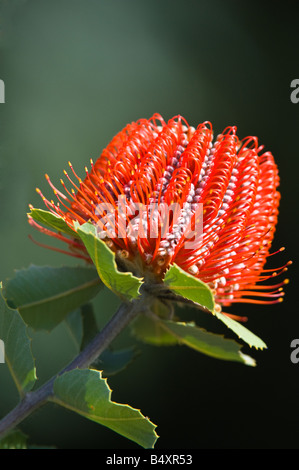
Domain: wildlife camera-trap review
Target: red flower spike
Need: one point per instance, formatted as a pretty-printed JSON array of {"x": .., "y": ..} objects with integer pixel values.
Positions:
[{"x": 151, "y": 163}]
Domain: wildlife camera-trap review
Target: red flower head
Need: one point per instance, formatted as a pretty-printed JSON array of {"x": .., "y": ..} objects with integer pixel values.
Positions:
[{"x": 152, "y": 164}]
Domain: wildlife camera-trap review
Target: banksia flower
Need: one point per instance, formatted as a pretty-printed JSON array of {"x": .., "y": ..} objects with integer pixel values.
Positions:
[{"x": 152, "y": 164}]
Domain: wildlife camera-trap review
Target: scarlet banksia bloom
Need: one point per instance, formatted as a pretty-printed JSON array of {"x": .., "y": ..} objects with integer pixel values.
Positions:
[{"x": 152, "y": 164}]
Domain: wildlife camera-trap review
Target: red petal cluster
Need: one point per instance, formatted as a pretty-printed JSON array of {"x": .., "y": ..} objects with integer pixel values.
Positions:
[{"x": 154, "y": 162}]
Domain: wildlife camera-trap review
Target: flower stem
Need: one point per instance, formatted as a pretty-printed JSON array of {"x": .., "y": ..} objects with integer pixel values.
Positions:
[{"x": 34, "y": 400}]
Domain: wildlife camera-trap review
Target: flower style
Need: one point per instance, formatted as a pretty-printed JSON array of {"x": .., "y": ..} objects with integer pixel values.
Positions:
[{"x": 152, "y": 163}]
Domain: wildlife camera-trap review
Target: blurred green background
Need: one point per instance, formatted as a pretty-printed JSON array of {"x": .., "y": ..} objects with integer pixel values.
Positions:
[{"x": 76, "y": 72}]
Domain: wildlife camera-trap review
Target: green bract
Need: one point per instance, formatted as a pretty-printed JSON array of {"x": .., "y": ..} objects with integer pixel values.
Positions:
[
  {"x": 123, "y": 284},
  {"x": 52, "y": 221},
  {"x": 198, "y": 292},
  {"x": 189, "y": 287}
]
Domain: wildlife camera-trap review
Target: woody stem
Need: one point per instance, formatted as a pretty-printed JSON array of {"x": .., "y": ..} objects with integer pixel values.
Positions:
[{"x": 33, "y": 400}]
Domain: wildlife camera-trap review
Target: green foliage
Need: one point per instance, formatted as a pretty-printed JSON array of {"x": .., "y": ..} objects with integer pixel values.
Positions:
[
  {"x": 45, "y": 295},
  {"x": 88, "y": 394},
  {"x": 189, "y": 287},
  {"x": 74, "y": 325},
  {"x": 82, "y": 326},
  {"x": 112, "y": 362},
  {"x": 158, "y": 331},
  {"x": 14, "y": 440},
  {"x": 207, "y": 343},
  {"x": 51, "y": 221},
  {"x": 242, "y": 332},
  {"x": 123, "y": 284},
  {"x": 18, "y": 355},
  {"x": 197, "y": 291},
  {"x": 149, "y": 329},
  {"x": 89, "y": 324},
  {"x": 42, "y": 297}
]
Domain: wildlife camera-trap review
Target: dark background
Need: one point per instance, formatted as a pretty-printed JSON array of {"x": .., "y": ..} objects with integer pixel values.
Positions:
[{"x": 76, "y": 72}]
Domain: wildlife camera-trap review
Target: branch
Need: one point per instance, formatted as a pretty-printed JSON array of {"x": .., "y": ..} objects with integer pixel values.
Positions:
[{"x": 34, "y": 400}]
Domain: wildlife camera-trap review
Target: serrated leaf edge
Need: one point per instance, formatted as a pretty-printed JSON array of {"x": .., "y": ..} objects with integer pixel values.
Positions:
[
  {"x": 56, "y": 400},
  {"x": 128, "y": 274}
]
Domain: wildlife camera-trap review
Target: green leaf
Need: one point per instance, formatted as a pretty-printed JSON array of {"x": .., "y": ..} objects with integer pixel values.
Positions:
[
  {"x": 74, "y": 325},
  {"x": 14, "y": 440},
  {"x": 45, "y": 295},
  {"x": 242, "y": 332},
  {"x": 151, "y": 331},
  {"x": 111, "y": 362},
  {"x": 193, "y": 289},
  {"x": 207, "y": 343},
  {"x": 189, "y": 287},
  {"x": 18, "y": 355},
  {"x": 88, "y": 394},
  {"x": 123, "y": 284},
  {"x": 89, "y": 324},
  {"x": 146, "y": 328},
  {"x": 162, "y": 309},
  {"x": 52, "y": 221}
]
